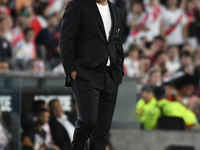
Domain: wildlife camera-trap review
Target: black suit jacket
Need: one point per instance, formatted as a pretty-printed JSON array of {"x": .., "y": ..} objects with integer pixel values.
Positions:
[
  {"x": 59, "y": 133},
  {"x": 83, "y": 43}
]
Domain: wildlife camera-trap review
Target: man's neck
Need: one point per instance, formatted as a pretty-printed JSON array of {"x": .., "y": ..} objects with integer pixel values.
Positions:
[
  {"x": 39, "y": 126},
  {"x": 173, "y": 8},
  {"x": 152, "y": 4},
  {"x": 51, "y": 29},
  {"x": 102, "y": 2}
]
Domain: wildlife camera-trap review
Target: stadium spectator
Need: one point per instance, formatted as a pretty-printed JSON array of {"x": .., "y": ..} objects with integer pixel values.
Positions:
[
  {"x": 36, "y": 22},
  {"x": 174, "y": 109},
  {"x": 192, "y": 12},
  {"x": 156, "y": 11},
  {"x": 40, "y": 7},
  {"x": 5, "y": 47},
  {"x": 139, "y": 22},
  {"x": 186, "y": 63},
  {"x": 22, "y": 3},
  {"x": 165, "y": 74},
  {"x": 169, "y": 89},
  {"x": 17, "y": 32},
  {"x": 38, "y": 66},
  {"x": 4, "y": 134},
  {"x": 25, "y": 49},
  {"x": 154, "y": 77},
  {"x": 4, "y": 66},
  {"x": 188, "y": 48},
  {"x": 160, "y": 61},
  {"x": 174, "y": 24},
  {"x": 32, "y": 117},
  {"x": 145, "y": 103},
  {"x": 62, "y": 125},
  {"x": 132, "y": 63},
  {"x": 169, "y": 109},
  {"x": 184, "y": 85},
  {"x": 173, "y": 62},
  {"x": 46, "y": 40},
  {"x": 34, "y": 136}
]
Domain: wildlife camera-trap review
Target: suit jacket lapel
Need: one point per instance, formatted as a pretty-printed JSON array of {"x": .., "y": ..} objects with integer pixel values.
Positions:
[
  {"x": 114, "y": 19},
  {"x": 93, "y": 6}
]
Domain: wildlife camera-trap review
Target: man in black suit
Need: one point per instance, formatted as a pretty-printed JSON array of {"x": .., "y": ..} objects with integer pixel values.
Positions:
[
  {"x": 62, "y": 125},
  {"x": 92, "y": 56}
]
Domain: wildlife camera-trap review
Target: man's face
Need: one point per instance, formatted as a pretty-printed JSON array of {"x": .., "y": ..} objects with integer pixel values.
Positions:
[
  {"x": 190, "y": 5},
  {"x": 53, "y": 22},
  {"x": 158, "y": 43},
  {"x": 38, "y": 66},
  {"x": 161, "y": 60},
  {"x": 3, "y": 23},
  {"x": 169, "y": 90},
  {"x": 137, "y": 8},
  {"x": 30, "y": 36},
  {"x": 186, "y": 60},
  {"x": 187, "y": 90},
  {"x": 134, "y": 54},
  {"x": 147, "y": 95},
  {"x": 4, "y": 2},
  {"x": 155, "y": 78},
  {"x": 172, "y": 2},
  {"x": 43, "y": 117},
  {"x": 57, "y": 109},
  {"x": 4, "y": 67},
  {"x": 173, "y": 52}
]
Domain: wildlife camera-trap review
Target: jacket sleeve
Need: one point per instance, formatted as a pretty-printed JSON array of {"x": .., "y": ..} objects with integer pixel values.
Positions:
[
  {"x": 69, "y": 30},
  {"x": 120, "y": 51}
]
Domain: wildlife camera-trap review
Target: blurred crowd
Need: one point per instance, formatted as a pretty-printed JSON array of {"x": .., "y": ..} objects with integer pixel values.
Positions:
[
  {"x": 161, "y": 41},
  {"x": 162, "y": 52},
  {"x": 29, "y": 34}
]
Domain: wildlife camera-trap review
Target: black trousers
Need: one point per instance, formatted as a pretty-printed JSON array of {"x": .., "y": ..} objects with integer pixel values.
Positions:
[{"x": 95, "y": 103}]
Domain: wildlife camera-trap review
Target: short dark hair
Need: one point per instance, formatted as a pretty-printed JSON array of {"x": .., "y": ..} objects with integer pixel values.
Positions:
[
  {"x": 170, "y": 47},
  {"x": 51, "y": 16},
  {"x": 141, "y": 4},
  {"x": 159, "y": 38},
  {"x": 185, "y": 53},
  {"x": 148, "y": 87},
  {"x": 158, "y": 54},
  {"x": 159, "y": 92},
  {"x": 42, "y": 110},
  {"x": 185, "y": 80},
  {"x": 37, "y": 105},
  {"x": 52, "y": 101},
  {"x": 164, "y": 71},
  {"x": 3, "y": 60},
  {"x": 133, "y": 47},
  {"x": 26, "y": 30}
]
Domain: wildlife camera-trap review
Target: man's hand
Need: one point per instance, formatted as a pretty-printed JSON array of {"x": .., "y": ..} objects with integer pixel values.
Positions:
[
  {"x": 73, "y": 75},
  {"x": 56, "y": 147}
]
